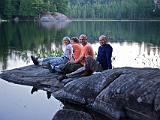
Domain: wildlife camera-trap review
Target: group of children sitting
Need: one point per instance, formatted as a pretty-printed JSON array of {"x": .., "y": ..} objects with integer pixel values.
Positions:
[{"x": 78, "y": 58}]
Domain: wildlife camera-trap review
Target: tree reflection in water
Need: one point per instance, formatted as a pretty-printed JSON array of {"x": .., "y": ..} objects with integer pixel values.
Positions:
[{"x": 20, "y": 40}]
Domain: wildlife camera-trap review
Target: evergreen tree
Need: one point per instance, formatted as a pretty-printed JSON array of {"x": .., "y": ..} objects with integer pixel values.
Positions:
[
  {"x": 113, "y": 9},
  {"x": 30, "y": 8},
  {"x": 61, "y": 5}
]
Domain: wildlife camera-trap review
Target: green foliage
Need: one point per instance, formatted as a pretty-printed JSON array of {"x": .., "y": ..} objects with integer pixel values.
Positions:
[
  {"x": 61, "y": 5},
  {"x": 112, "y": 9},
  {"x": 26, "y": 38},
  {"x": 44, "y": 54},
  {"x": 30, "y": 8}
]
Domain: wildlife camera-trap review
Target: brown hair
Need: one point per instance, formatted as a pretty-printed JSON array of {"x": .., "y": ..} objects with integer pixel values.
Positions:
[{"x": 75, "y": 39}]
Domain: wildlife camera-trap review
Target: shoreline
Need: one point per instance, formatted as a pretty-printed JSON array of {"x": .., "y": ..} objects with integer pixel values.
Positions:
[
  {"x": 120, "y": 20},
  {"x": 1, "y": 20},
  {"x": 96, "y": 20}
]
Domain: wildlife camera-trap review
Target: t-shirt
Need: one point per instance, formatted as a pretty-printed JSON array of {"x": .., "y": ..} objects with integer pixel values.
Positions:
[
  {"x": 77, "y": 48},
  {"x": 87, "y": 50},
  {"x": 68, "y": 51}
]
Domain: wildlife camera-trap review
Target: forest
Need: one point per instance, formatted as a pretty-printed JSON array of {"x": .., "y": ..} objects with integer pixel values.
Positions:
[
  {"x": 113, "y": 9},
  {"x": 30, "y": 8},
  {"x": 81, "y": 9}
]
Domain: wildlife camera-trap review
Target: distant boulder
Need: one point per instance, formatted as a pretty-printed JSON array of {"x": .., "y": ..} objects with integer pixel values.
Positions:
[
  {"x": 157, "y": 3},
  {"x": 60, "y": 16},
  {"x": 16, "y": 19},
  {"x": 49, "y": 17}
]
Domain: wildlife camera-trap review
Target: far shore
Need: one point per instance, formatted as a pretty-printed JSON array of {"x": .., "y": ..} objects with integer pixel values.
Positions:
[
  {"x": 119, "y": 20},
  {"x": 109, "y": 20},
  {"x": 3, "y": 20}
]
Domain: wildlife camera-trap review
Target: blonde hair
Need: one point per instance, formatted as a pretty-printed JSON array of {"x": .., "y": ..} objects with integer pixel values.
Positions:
[{"x": 67, "y": 38}]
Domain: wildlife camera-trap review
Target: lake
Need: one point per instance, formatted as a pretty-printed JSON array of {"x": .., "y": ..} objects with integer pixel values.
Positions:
[{"x": 135, "y": 44}]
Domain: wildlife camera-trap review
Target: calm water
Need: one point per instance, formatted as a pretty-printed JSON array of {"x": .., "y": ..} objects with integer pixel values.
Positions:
[{"x": 135, "y": 44}]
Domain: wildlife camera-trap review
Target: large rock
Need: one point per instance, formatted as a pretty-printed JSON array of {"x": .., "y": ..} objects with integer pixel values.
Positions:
[
  {"x": 60, "y": 16},
  {"x": 56, "y": 20},
  {"x": 32, "y": 75},
  {"x": 157, "y": 3},
  {"x": 56, "y": 17},
  {"x": 68, "y": 114},
  {"x": 47, "y": 18},
  {"x": 117, "y": 93},
  {"x": 84, "y": 90},
  {"x": 132, "y": 93}
]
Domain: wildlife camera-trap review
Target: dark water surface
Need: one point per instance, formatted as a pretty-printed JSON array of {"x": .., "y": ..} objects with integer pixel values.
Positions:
[{"x": 135, "y": 44}]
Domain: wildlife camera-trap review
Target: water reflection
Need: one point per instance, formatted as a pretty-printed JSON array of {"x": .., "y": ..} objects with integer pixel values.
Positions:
[
  {"x": 54, "y": 25},
  {"x": 17, "y": 103},
  {"x": 134, "y": 55},
  {"x": 18, "y": 41},
  {"x": 135, "y": 44}
]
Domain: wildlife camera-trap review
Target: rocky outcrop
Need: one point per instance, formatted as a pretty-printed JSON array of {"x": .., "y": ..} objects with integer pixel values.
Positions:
[
  {"x": 157, "y": 3},
  {"x": 47, "y": 18},
  {"x": 32, "y": 75},
  {"x": 132, "y": 93},
  {"x": 56, "y": 20},
  {"x": 60, "y": 16},
  {"x": 56, "y": 17},
  {"x": 68, "y": 114}
]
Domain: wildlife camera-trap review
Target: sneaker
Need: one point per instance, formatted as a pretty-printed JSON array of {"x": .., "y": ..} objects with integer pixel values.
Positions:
[
  {"x": 49, "y": 94},
  {"x": 35, "y": 60},
  {"x": 61, "y": 77},
  {"x": 51, "y": 68},
  {"x": 86, "y": 73},
  {"x": 34, "y": 89}
]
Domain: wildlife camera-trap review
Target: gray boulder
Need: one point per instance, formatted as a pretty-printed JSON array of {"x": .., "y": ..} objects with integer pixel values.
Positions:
[
  {"x": 84, "y": 90},
  {"x": 56, "y": 17},
  {"x": 47, "y": 18},
  {"x": 134, "y": 94},
  {"x": 32, "y": 75},
  {"x": 69, "y": 114},
  {"x": 60, "y": 17}
]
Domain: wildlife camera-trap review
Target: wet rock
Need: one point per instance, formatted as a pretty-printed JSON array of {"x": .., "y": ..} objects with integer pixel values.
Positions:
[{"x": 68, "y": 114}]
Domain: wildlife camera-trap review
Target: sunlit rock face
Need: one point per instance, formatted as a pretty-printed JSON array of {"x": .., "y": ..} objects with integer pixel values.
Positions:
[
  {"x": 56, "y": 20},
  {"x": 60, "y": 16},
  {"x": 49, "y": 17},
  {"x": 157, "y": 2},
  {"x": 157, "y": 5}
]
